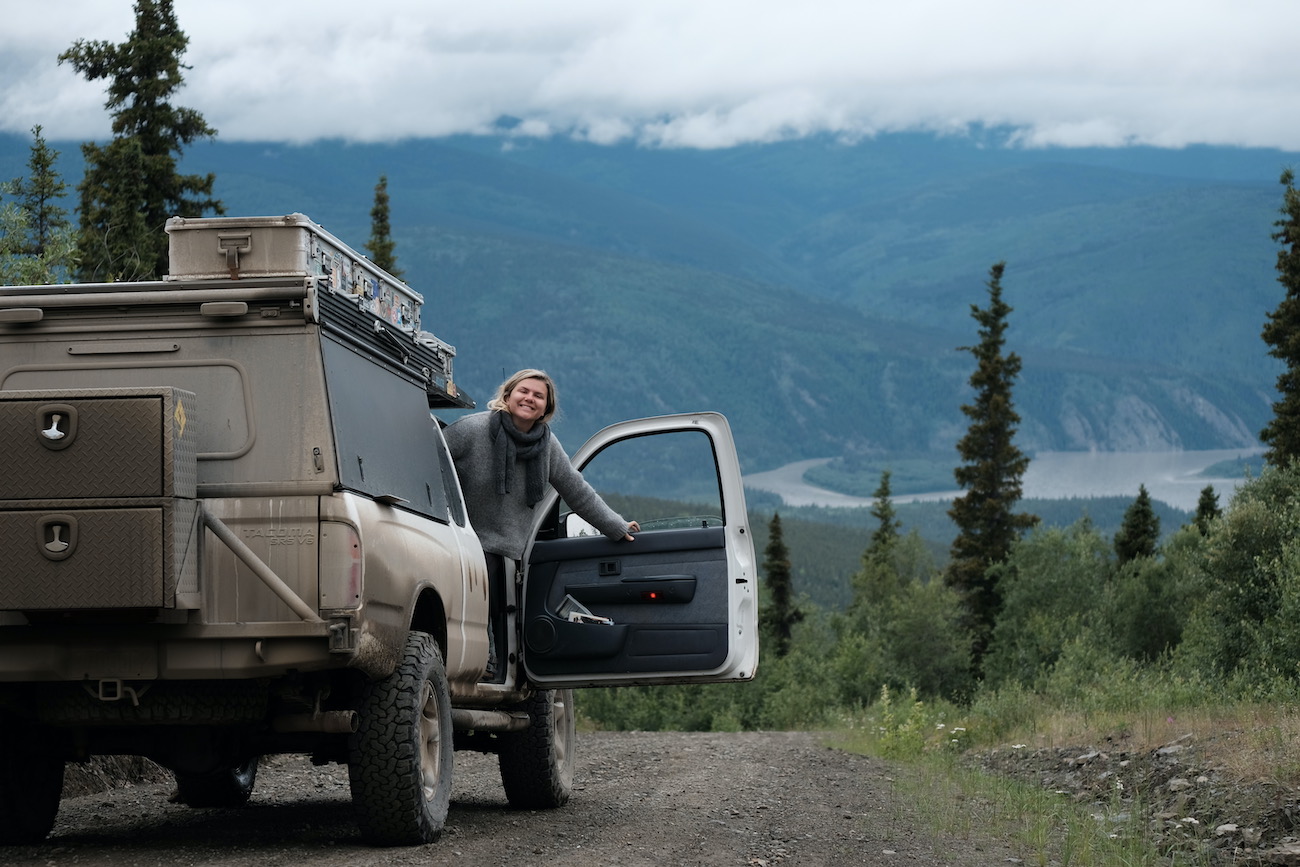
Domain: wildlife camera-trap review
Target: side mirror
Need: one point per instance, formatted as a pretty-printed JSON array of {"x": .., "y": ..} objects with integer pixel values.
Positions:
[{"x": 574, "y": 525}]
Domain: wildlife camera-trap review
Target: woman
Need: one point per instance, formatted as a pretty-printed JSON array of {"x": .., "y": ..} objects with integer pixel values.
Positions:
[{"x": 505, "y": 458}]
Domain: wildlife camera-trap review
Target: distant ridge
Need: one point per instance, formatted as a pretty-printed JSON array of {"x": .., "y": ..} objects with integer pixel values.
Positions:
[{"x": 815, "y": 291}]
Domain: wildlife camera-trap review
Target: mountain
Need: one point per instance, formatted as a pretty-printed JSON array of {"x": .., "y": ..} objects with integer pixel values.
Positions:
[{"x": 817, "y": 291}]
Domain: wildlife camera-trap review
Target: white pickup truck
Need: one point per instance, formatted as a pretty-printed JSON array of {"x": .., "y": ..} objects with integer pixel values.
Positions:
[{"x": 230, "y": 528}]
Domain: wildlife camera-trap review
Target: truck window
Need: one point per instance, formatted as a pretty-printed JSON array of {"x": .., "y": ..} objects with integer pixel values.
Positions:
[
  {"x": 387, "y": 442},
  {"x": 663, "y": 481}
]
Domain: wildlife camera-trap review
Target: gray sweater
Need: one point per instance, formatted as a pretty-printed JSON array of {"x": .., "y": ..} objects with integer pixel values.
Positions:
[{"x": 504, "y": 521}]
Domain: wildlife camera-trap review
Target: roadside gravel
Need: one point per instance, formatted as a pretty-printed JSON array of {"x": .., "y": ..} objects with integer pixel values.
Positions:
[{"x": 661, "y": 798}]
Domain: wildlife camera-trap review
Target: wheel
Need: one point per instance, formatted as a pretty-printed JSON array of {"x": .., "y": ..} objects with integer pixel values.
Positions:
[
  {"x": 31, "y": 783},
  {"x": 400, "y": 757},
  {"x": 537, "y": 763},
  {"x": 227, "y": 787}
]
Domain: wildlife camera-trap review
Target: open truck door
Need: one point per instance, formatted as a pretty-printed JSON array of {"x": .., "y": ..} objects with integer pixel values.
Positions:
[{"x": 679, "y": 604}]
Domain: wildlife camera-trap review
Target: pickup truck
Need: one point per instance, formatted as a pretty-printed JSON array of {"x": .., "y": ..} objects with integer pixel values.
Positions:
[{"x": 230, "y": 528}]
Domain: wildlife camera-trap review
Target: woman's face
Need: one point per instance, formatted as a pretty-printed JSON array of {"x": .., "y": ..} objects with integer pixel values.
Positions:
[{"x": 526, "y": 403}]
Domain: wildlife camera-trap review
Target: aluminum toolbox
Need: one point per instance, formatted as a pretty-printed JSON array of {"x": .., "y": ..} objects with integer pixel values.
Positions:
[
  {"x": 111, "y": 554},
  {"x": 209, "y": 248},
  {"x": 123, "y": 442},
  {"x": 97, "y": 504}
]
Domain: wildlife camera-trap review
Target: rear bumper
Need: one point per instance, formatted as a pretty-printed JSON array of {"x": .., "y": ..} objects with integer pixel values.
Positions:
[{"x": 223, "y": 652}]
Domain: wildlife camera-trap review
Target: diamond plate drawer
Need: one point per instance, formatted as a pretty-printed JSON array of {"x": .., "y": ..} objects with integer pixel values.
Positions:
[
  {"x": 84, "y": 558},
  {"x": 97, "y": 443}
]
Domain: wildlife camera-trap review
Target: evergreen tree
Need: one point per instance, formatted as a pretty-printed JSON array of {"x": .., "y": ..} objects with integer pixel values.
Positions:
[
  {"x": 881, "y": 577},
  {"x": 1282, "y": 333},
  {"x": 381, "y": 245},
  {"x": 991, "y": 473},
  {"x": 879, "y": 580},
  {"x": 132, "y": 185},
  {"x": 779, "y": 614},
  {"x": 38, "y": 195},
  {"x": 1207, "y": 509},
  {"x": 1139, "y": 533},
  {"x": 37, "y": 244},
  {"x": 885, "y": 536}
]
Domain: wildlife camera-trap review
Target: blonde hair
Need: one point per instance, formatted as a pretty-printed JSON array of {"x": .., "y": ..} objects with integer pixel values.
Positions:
[{"x": 498, "y": 400}]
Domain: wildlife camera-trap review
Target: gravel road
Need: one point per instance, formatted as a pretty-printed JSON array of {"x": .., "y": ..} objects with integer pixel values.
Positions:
[{"x": 661, "y": 798}]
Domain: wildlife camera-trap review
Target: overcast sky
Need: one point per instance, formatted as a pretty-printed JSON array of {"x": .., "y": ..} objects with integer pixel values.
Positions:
[{"x": 691, "y": 73}]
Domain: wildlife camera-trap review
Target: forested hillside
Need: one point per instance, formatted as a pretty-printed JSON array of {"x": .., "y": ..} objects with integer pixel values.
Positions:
[{"x": 814, "y": 291}]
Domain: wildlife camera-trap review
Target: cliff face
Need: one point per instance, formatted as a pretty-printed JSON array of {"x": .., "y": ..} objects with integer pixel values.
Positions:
[{"x": 1169, "y": 416}]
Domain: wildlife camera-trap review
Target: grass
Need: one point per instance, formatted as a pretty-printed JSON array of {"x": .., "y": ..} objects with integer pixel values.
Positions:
[
  {"x": 960, "y": 802},
  {"x": 1253, "y": 749}
]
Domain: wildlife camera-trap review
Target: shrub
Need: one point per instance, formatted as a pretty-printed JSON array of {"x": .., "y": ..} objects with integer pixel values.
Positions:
[{"x": 1051, "y": 585}]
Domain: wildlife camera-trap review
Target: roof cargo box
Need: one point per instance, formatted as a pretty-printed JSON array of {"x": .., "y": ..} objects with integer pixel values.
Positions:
[
  {"x": 208, "y": 248},
  {"x": 358, "y": 301}
]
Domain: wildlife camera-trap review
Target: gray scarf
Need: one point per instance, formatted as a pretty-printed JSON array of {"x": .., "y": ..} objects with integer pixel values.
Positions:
[{"x": 516, "y": 445}]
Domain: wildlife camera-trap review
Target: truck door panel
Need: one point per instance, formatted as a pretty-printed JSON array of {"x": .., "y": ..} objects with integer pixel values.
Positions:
[
  {"x": 665, "y": 593},
  {"x": 677, "y": 603}
]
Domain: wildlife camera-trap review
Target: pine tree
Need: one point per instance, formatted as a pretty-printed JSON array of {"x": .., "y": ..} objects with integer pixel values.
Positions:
[
  {"x": 991, "y": 473},
  {"x": 132, "y": 185},
  {"x": 1139, "y": 533},
  {"x": 1207, "y": 509},
  {"x": 1282, "y": 333},
  {"x": 381, "y": 245},
  {"x": 779, "y": 614},
  {"x": 885, "y": 536}
]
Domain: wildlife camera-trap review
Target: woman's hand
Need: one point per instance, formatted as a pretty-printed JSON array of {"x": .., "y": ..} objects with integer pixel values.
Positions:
[{"x": 632, "y": 527}]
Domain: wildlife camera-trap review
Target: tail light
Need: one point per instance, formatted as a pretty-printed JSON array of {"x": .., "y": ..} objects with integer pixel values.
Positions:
[{"x": 340, "y": 566}]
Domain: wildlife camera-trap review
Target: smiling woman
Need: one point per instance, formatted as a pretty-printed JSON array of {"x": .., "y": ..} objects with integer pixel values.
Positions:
[{"x": 506, "y": 458}]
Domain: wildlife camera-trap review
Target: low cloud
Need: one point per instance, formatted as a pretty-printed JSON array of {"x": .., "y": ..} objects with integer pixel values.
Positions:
[{"x": 701, "y": 74}]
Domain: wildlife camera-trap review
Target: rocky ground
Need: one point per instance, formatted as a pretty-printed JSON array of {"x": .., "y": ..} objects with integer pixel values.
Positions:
[{"x": 1190, "y": 796}]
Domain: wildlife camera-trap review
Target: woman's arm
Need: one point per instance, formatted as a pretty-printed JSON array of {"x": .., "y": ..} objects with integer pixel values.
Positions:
[{"x": 583, "y": 499}]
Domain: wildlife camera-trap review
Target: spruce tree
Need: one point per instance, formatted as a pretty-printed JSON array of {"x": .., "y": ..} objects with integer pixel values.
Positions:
[
  {"x": 37, "y": 244},
  {"x": 779, "y": 614},
  {"x": 1207, "y": 509},
  {"x": 1139, "y": 533},
  {"x": 885, "y": 536},
  {"x": 1282, "y": 333},
  {"x": 132, "y": 186},
  {"x": 992, "y": 471},
  {"x": 879, "y": 580},
  {"x": 38, "y": 195},
  {"x": 381, "y": 245}
]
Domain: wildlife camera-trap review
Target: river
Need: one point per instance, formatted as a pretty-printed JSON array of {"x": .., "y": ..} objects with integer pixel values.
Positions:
[{"x": 1172, "y": 477}]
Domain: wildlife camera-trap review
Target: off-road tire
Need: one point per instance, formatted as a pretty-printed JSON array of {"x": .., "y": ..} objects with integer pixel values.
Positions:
[
  {"x": 228, "y": 787},
  {"x": 400, "y": 757},
  {"x": 537, "y": 763},
  {"x": 31, "y": 783}
]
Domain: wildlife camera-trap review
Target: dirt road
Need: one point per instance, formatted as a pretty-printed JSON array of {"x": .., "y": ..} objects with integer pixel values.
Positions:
[{"x": 669, "y": 798}]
